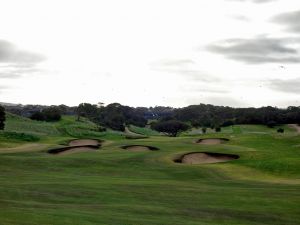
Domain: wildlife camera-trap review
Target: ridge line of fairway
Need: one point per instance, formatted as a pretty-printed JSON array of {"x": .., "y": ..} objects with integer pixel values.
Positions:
[
  {"x": 25, "y": 148},
  {"x": 255, "y": 175}
]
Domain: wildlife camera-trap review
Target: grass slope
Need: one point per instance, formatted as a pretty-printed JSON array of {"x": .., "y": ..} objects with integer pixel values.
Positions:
[
  {"x": 114, "y": 186},
  {"x": 21, "y": 130}
]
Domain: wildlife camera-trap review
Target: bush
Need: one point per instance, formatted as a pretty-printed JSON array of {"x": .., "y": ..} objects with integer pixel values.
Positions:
[
  {"x": 20, "y": 136},
  {"x": 171, "y": 127},
  {"x": 52, "y": 113},
  {"x": 203, "y": 130},
  {"x": 280, "y": 130},
  {"x": 49, "y": 114},
  {"x": 218, "y": 129},
  {"x": 2, "y": 117},
  {"x": 38, "y": 116},
  {"x": 227, "y": 123},
  {"x": 271, "y": 124}
]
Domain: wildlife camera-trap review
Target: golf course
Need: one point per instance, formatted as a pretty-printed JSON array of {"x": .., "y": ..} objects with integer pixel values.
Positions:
[{"x": 67, "y": 172}]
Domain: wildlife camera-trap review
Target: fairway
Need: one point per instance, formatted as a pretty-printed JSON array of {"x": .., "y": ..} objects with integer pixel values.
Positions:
[{"x": 113, "y": 185}]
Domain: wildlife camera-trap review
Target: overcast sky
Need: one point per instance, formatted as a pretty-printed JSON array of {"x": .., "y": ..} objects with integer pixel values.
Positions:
[{"x": 150, "y": 52}]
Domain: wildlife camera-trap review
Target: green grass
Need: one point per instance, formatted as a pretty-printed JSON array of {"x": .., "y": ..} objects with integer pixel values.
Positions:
[
  {"x": 16, "y": 123},
  {"x": 114, "y": 186},
  {"x": 67, "y": 127},
  {"x": 144, "y": 131}
]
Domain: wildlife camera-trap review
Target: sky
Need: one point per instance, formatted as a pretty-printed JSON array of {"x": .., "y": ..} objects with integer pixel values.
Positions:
[{"x": 240, "y": 53}]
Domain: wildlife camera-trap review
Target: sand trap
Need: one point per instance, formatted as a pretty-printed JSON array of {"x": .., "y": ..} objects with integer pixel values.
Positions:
[
  {"x": 295, "y": 126},
  {"x": 77, "y": 149},
  {"x": 77, "y": 145},
  {"x": 212, "y": 141},
  {"x": 205, "y": 157},
  {"x": 139, "y": 148},
  {"x": 81, "y": 142}
]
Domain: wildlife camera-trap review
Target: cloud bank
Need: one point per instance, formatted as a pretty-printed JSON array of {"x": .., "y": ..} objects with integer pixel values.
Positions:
[
  {"x": 15, "y": 62},
  {"x": 258, "y": 50}
]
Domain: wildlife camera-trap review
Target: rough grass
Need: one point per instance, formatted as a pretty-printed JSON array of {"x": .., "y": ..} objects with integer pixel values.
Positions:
[
  {"x": 20, "y": 124},
  {"x": 113, "y": 186},
  {"x": 144, "y": 131}
]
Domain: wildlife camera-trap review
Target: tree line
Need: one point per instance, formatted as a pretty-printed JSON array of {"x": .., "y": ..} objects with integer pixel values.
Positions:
[{"x": 163, "y": 119}]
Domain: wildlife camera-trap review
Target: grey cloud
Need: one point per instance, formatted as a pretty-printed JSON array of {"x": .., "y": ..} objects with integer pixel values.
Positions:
[
  {"x": 16, "y": 62},
  {"x": 288, "y": 86},
  {"x": 255, "y": 1},
  {"x": 240, "y": 18},
  {"x": 201, "y": 88},
  {"x": 183, "y": 67},
  {"x": 191, "y": 74},
  {"x": 290, "y": 20},
  {"x": 171, "y": 63},
  {"x": 224, "y": 100},
  {"x": 3, "y": 88},
  {"x": 11, "y": 54},
  {"x": 258, "y": 50},
  {"x": 11, "y": 72}
]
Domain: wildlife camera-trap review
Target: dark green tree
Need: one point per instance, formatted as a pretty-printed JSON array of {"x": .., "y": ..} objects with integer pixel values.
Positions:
[
  {"x": 170, "y": 127},
  {"x": 38, "y": 116},
  {"x": 52, "y": 113},
  {"x": 2, "y": 118}
]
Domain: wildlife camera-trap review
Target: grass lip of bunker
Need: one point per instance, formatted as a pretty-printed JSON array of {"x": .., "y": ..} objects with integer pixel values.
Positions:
[
  {"x": 205, "y": 158},
  {"x": 211, "y": 141},
  {"x": 139, "y": 148},
  {"x": 79, "y": 145}
]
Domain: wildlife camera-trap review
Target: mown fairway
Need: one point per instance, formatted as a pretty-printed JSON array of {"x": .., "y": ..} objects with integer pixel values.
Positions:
[{"x": 115, "y": 186}]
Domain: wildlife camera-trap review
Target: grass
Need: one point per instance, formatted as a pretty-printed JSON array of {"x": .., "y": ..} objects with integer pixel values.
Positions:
[
  {"x": 144, "y": 131},
  {"x": 115, "y": 186}
]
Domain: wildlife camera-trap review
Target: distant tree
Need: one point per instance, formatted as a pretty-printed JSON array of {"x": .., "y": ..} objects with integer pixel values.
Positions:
[
  {"x": 2, "y": 118},
  {"x": 218, "y": 129},
  {"x": 280, "y": 130},
  {"x": 52, "y": 113},
  {"x": 196, "y": 123},
  {"x": 204, "y": 130},
  {"x": 171, "y": 127},
  {"x": 228, "y": 123},
  {"x": 87, "y": 110},
  {"x": 38, "y": 116},
  {"x": 271, "y": 124},
  {"x": 115, "y": 122}
]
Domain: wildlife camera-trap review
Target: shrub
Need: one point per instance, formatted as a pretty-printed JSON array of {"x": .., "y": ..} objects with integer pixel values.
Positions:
[
  {"x": 280, "y": 130},
  {"x": 20, "y": 136},
  {"x": 271, "y": 124},
  {"x": 38, "y": 116},
  {"x": 2, "y": 117},
  {"x": 171, "y": 127}
]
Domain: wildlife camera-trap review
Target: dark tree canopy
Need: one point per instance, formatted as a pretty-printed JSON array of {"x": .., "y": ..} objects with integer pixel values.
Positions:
[
  {"x": 171, "y": 127},
  {"x": 2, "y": 117},
  {"x": 49, "y": 114},
  {"x": 117, "y": 116}
]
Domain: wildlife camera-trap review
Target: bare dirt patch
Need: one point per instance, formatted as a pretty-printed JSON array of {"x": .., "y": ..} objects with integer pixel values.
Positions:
[
  {"x": 212, "y": 141},
  {"x": 77, "y": 145},
  {"x": 139, "y": 148},
  {"x": 205, "y": 158},
  {"x": 295, "y": 126}
]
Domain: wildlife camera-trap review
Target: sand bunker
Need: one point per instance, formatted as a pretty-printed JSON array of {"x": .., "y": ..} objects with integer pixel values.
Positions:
[
  {"x": 139, "y": 148},
  {"x": 205, "y": 157},
  {"x": 211, "y": 141},
  {"x": 83, "y": 142},
  {"x": 77, "y": 145}
]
